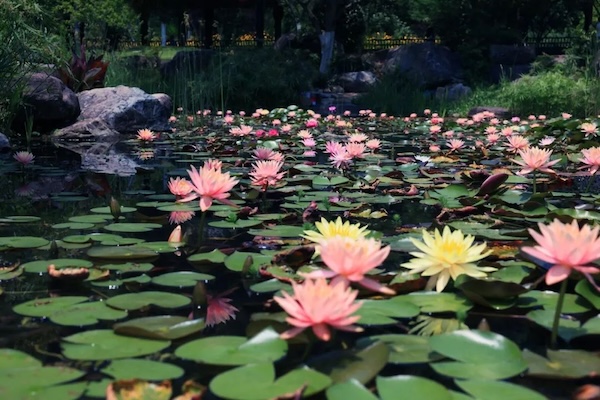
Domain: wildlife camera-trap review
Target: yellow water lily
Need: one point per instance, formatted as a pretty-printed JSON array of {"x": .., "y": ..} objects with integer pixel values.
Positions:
[
  {"x": 328, "y": 229},
  {"x": 447, "y": 255}
]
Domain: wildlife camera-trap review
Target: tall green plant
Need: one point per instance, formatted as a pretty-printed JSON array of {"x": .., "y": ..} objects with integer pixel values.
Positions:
[{"x": 27, "y": 42}]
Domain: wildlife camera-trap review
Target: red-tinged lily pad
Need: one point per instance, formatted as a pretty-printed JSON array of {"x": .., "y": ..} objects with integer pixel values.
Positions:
[
  {"x": 135, "y": 301},
  {"x": 486, "y": 355},
  {"x": 494, "y": 390},
  {"x": 104, "y": 344},
  {"x": 8, "y": 274},
  {"x": 563, "y": 364},
  {"x": 41, "y": 266},
  {"x": 362, "y": 363},
  {"x": 235, "y": 350},
  {"x": 122, "y": 253},
  {"x": 136, "y": 389},
  {"x": 135, "y": 368},
  {"x": 257, "y": 382},
  {"x": 181, "y": 279},
  {"x": 170, "y": 327},
  {"x": 23, "y": 242},
  {"x": 385, "y": 312}
]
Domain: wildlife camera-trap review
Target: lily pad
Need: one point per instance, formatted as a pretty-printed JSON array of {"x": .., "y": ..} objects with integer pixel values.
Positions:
[
  {"x": 142, "y": 369},
  {"x": 45, "y": 307},
  {"x": 588, "y": 292},
  {"x": 106, "y": 210},
  {"x": 406, "y": 349},
  {"x": 129, "y": 267},
  {"x": 86, "y": 313},
  {"x": 573, "y": 304},
  {"x": 135, "y": 301},
  {"x": 563, "y": 364},
  {"x": 73, "y": 225},
  {"x": 257, "y": 382},
  {"x": 486, "y": 390},
  {"x": 41, "y": 266},
  {"x": 19, "y": 219},
  {"x": 433, "y": 302},
  {"x": 122, "y": 253},
  {"x": 23, "y": 242},
  {"x": 132, "y": 227},
  {"x": 235, "y": 350},
  {"x": 384, "y": 312},
  {"x": 239, "y": 259},
  {"x": 213, "y": 257},
  {"x": 115, "y": 283},
  {"x": 169, "y": 327},
  {"x": 486, "y": 355},
  {"x": 411, "y": 387},
  {"x": 104, "y": 344},
  {"x": 181, "y": 279}
]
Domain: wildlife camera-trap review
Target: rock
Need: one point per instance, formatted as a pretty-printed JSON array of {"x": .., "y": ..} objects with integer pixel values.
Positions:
[
  {"x": 427, "y": 64},
  {"x": 126, "y": 109},
  {"x": 499, "y": 112},
  {"x": 87, "y": 130},
  {"x": 187, "y": 62},
  {"x": 511, "y": 54},
  {"x": 4, "y": 143},
  {"x": 452, "y": 92},
  {"x": 356, "y": 82},
  {"x": 49, "y": 102}
]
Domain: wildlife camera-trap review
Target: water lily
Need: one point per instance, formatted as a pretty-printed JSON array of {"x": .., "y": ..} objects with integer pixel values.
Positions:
[
  {"x": 328, "y": 229},
  {"x": 266, "y": 173},
  {"x": 535, "y": 159},
  {"x": 146, "y": 135},
  {"x": 447, "y": 255},
  {"x": 591, "y": 158},
  {"x": 24, "y": 157},
  {"x": 219, "y": 309},
  {"x": 209, "y": 184},
  {"x": 319, "y": 305},
  {"x": 180, "y": 187}
]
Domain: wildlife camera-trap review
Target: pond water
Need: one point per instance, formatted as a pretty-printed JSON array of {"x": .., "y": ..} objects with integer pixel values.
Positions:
[{"x": 133, "y": 301}]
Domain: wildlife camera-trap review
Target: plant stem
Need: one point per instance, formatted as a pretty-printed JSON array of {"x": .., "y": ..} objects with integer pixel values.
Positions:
[
  {"x": 264, "y": 199},
  {"x": 590, "y": 181},
  {"x": 556, "y": 322},
  {"x": 534, "y": 183},
  {"x": 201, "y": 228}
]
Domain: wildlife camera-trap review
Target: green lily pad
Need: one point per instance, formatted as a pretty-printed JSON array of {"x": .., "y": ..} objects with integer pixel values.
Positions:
[
  {"x": 41, "y": 266},
  {"x": 213, "y": 257},
  {"x": 235, "y": 350},
  {"x": 513, "y": 271},
  {"x": 132, "y": 227},
  {"x": 181, "y": 279},
  {"x": 573, "y": 304},
  {"x": 349, "y": 390},
  {"x": 123, "y": 241},
  {"x": 135, "y": 301},
  {"x": 362, "y": 363},
  {"x": 73, "y": 225},
  {"x": 434, "y": 302},
  {"x": 91, "y": 219},
  {"x": 87, "y": 313},
  {"x": 562, "y": 364},
  {"x": 284, "y": 231},
  {"x": 239, "y": 259},
  {"x": 115, "y": 283},
  {"x": 11, "y": 274},
  {"x": 492, "y": 293},
  {"x": 163, "y": 247},
  {"x": 149, "y": 370},
  {"x": 19, "y": 219},
  {"x": 270, "y": 286},
  {"x": 169, "y": 327},
  {"x": 14, "y": 359},
  {"x": 240, "y": 223},
  {"x": 104, "y": 344},
  {"x": 77, "y": 239},
  {"x": 493, "y": 390},
  {"x": 406, "y": 349},
  {"x": 23, "y": 242},
  {"x": 257, "y": 382},
  {"x": 129, "y": 267},
  {"x": 180, "y": 207},
  {"x": 47, "y": 306},
  {"x": 411, "y": 387},
  {"x": 588, "y": 292},
  {"x": 384, "y": 312},
  {"x": 567, "y": 328},
  {"x": 106, "y": 210},
  {"x": 486, "y": 355},
  {"x": 122, "y": 253},
  {"x": 325, "y": 181}
]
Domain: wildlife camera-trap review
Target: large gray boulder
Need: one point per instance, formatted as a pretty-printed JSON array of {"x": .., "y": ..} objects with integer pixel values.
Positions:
[
  {"x": 356, "y": 82},
  {"x": 49, "y": 102},
  {"x": 126, "y": 109},
  {"x": 4, "y": 143},
  {"x": 93, "y": 129},
  {"x": 427, "y": 64}
]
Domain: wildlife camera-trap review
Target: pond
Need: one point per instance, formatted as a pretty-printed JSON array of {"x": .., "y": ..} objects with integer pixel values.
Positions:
[{"x": 286, "y": 254}]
